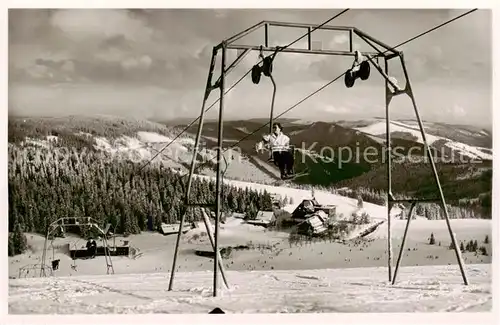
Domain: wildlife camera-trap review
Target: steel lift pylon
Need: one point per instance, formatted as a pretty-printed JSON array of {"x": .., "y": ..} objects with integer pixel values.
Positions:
[{"x": 387, "y": 53}]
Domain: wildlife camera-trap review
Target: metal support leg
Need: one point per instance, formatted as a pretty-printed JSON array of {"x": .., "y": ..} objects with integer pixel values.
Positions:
[
  {"x": 400, "y": 256},
  {"x": 219, "y": 153},
  {"x": 176, "y": 251},
  {"x": 408, "y": 91},
  {"x": 388, "y": 98},
  {"x": 208, "y": 89},
  {"x": 107, "y": 257},
  {"x": 389, "y": 240},
  {"x": 44, "y": 256},
  {"x": 385, "y": 75},
  {"x": 206, "y": 221},
  {"x": 435, "y": 173}
]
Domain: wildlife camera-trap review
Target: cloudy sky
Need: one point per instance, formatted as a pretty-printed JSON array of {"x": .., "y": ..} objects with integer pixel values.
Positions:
[{"x": 153, "y": 63}]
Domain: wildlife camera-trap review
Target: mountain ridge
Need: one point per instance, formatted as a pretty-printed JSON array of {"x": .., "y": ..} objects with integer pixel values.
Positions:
[{"x": 121, "y": 136}]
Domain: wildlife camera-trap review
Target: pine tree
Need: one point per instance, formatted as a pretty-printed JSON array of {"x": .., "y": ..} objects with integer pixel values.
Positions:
[
  {"x": 486, "y": 240},
  {"x": 419, "y": 210},
  {"x": 19, "y": 240},
  {"x": 232, "y": 202},
  {"x": 360, "y": 201},
  {"x": 11, "y": 249},
  {"x": 432, "y": 240},
  {"x": 109, "y": 192},
  {"x": 251, "y": 212}
]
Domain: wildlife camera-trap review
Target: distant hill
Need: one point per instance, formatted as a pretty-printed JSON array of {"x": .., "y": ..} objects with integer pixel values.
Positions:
[
  {"x": 324, "y": 150},
  {"x": 455, "y": 148}
]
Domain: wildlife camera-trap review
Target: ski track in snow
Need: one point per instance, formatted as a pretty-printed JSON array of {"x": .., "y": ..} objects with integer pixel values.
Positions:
[{"x": 418, "y": 289}]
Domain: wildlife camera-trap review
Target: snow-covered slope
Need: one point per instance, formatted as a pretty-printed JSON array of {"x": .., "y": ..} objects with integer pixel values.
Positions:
[
  {"x": 45, "y": 143},
  {"x": 345, "y": 205},
  {"x": 419, "y": 289},
  {"x": 293, "y": 290},
  {"x": 178, "y": 155},
  {"x": 379, "y": 128}
]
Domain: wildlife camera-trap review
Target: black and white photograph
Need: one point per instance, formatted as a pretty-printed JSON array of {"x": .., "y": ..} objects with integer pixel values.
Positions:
[{"x": 250, "y": 161}]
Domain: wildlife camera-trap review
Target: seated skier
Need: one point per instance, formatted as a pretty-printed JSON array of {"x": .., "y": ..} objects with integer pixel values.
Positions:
[
  {"x": 91, "y": 248},
  {"x": 279, "y": 144},
  {"x": 94, "y": 248}
]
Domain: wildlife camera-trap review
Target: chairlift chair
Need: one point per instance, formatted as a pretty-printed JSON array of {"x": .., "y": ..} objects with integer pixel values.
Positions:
[{"x": 267, "y": 69}]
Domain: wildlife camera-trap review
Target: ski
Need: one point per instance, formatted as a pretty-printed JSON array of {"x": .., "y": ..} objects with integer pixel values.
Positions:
[{"x": 289, "y": 179}]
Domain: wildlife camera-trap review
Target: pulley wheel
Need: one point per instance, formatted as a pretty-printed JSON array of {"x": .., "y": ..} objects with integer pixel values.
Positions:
[
  {"x": 349, "y": 79},
  {"x": 267, "y": 66},
  {"x": 364, "y": 70},
  {"x": 256, "y": 70}
]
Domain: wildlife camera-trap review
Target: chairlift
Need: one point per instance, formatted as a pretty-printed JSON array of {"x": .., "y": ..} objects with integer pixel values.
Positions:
[
  {"x": 54, "y": 262},
  {"x": 267, "y": 68}
]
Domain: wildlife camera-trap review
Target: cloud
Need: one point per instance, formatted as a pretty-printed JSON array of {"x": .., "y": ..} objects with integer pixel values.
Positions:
[
  {"x": 144, "y": 62},
  {"x": 38, "y": 71},
  {"x": 221, "y": 13},
  {"x": 85, "y": 24},
  {"x": 341, "y": 39},
  {"x": 68, "y": 66},
  {"x": 336, "y": 109},
  {"x": 457, "y": 111},
  {"x": 131, "y": 51},
  {"x": 42, "y": 70},
  {"x": 111, "y": 55}
]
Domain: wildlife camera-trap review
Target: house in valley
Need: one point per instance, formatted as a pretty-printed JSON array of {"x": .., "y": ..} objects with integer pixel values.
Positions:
[
  {"x": 314, "y": 224},
  {"x": 310, "y": 206},
  {"x": 263, "y": 218},
  {"x": 169, "y": 229}
]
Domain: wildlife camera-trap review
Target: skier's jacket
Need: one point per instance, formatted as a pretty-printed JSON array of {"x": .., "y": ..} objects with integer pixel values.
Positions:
[{"x": 277, "y": 143}]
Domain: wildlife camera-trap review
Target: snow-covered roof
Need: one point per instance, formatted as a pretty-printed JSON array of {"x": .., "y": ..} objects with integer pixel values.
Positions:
[
  {"x": 317, "y": 223},
  {"x": 173, "y": 228},
  {"x": 321, "y": 215},
  {"x": 265, "y": 216}
]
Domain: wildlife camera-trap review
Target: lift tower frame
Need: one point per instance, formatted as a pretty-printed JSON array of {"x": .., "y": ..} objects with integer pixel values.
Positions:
[
  {"x": 381, "y": 51},
  {"x": 63, "y": 223}
]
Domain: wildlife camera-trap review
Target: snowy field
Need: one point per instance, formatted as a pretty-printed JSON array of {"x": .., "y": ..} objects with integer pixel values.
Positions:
[
  {"x": 319, "y": 276},
  {"x": 274, "y": 276},
  {"x": 420, "y": 289},
  {"x": 345, "y": 205},
  {"x": 270, "y": 250}
]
